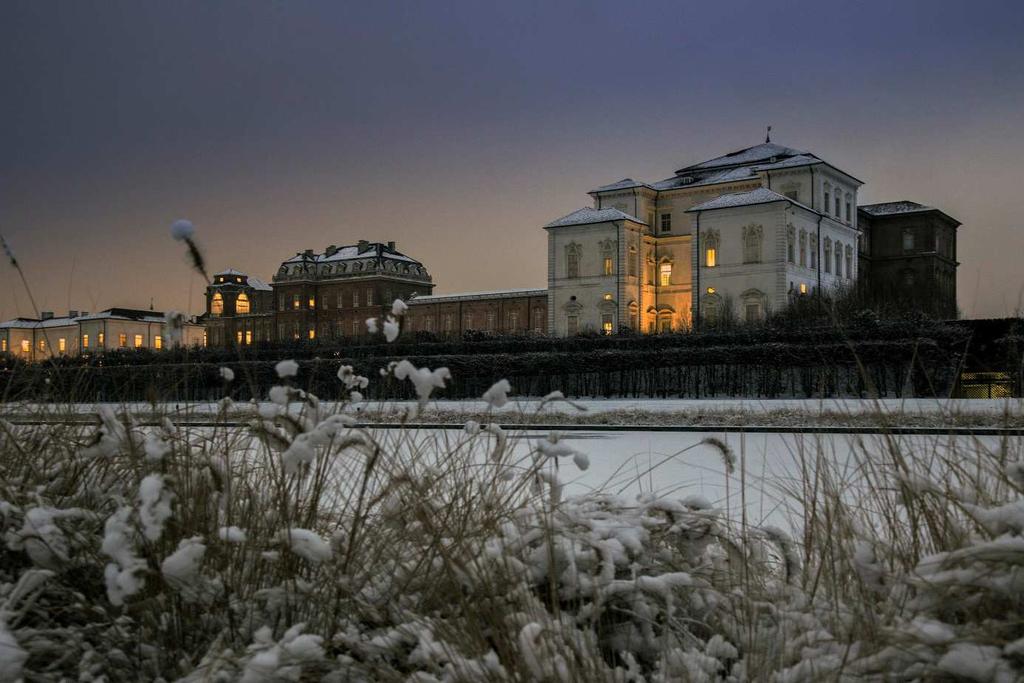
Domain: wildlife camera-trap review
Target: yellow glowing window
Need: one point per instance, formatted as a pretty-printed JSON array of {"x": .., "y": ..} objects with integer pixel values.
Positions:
[
  {"x": 238, "y": 336},
  {"x": 158, "y": 342},
  {"x": 248, "y": 337},
  {"x": 217, "y": 304},
  {"x": 608, "y": 296},
  {"x": 122, "y": 339},
  {"x": 609, "y": 268},
  {"x": 803, "y": 287},
  {"x": 62, "y": 344},
  {"x": 85, "y": 341},
  {"x": 138, "y": 341},
  {"x": 312, "y": 302},
  {"x": 296, "y": 301},
  {"x": 711, "y": 290},
  {"x": 238, "y": 279},
  {"x": 42, "y": 344},
  {"x": 99, "y": 339},
  {"x": 242, "y": 304},
  {"x": 312, "y": 333},
  {"x": 205, "y": 338},
  {"x": 3, "y": 346},
  {"x": 711, "y": 259},
  {"x": 26, "y": 346},
  {"x": 606, "y": 324},
  {"x": 666, "y": 274}
]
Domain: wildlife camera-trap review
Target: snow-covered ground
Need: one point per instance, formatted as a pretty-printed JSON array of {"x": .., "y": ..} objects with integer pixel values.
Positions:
[{"x": 678, "y": 465}]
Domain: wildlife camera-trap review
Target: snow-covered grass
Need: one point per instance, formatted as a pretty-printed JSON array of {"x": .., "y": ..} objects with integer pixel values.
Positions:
[{"x": 305, "y": 547}]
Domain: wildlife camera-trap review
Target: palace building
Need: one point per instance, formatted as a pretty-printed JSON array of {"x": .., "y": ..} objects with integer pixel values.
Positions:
[{"x": 740, "y": 235}]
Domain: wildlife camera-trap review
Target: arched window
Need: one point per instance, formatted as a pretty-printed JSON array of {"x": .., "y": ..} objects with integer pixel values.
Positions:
[
  {"x": 632, "y": 261},
  {"x": 828, "y": 255},
  {"x": 665, "y": 274},
  {"x": 803, "y": 247},
  {"x": 242, "y": 304},
  {"x": 752, "y": 238},
  {"x": 217, "y": 304},
  {"x": 711, "y": 249},
  {"x": 828, "y": 196},
  {"x": 791, "y": 244},
  {"x": 849, "y": 262},
  {"x": 572, "y": 260},
  {"x": 839, "y": 259},
  {"x": 814, "y": 251}
]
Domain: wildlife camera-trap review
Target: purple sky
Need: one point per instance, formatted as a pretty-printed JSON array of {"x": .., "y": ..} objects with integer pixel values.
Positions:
[{"x": 460, "y": 128}]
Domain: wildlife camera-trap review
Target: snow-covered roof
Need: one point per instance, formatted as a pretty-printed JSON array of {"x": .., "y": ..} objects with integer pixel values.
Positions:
[
  {"x": 125, "y": 314},
  {"x": 229, "y": 271},
  {"x": 34, "y": 324},
  {"x": 590, "y": 215},
  {"x": 900, "y": 207},
  {"x": 469, "y": 296},
  {"x": 730, "y": 175},
  {"x": 744, "y": 157},
  {"x": 351, "y": 252},
  {"x": 761, "y": 195},
  {"x": 889, "y": 208},
  {"x": 257, "y": 283},
  {"x": 624, "y": 184}
]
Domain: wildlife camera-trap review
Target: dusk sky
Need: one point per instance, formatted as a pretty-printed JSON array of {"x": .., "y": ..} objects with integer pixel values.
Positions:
[{"x": 459, "y": 129}]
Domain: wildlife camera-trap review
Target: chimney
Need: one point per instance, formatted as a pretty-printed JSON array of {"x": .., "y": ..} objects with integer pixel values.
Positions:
[
  {"x": 72, "y": 314},
  {"x": 331, "y": 250},
  {"x": 46, "y": 315},
  {"x": 308, "y": 253},
  {"x": 85, "y": 313},
  {"x": 363, "y": 246},
  {"x": 391, "y": 245}
]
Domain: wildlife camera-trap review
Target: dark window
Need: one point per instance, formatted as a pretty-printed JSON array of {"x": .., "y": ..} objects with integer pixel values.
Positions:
[{"x": 666, "y": 222}]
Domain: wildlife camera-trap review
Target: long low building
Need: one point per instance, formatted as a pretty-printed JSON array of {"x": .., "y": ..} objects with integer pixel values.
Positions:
[
  {"x": 503, "y": 311},
  {"x": 80, "y": 332}
]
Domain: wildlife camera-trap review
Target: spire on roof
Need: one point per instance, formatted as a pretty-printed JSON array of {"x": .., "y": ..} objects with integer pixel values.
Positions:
[{"x": 768, "y": 135}]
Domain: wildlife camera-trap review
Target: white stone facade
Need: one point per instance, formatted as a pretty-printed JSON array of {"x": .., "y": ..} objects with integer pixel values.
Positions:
[{"x": 772, "y": 215}]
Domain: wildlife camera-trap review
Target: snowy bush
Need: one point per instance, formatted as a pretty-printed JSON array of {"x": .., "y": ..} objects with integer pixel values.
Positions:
[{"x": 306, "y": 547}]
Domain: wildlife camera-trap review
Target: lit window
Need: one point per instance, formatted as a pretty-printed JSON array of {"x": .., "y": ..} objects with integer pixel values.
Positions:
[
  {"x": 138, "y": 341},
  {"x": 62, "y": 344},
  {"x": 26, "y": 346},
  {"x": 607, "y": 296},
  {"x": 606, "y": 323},
  {"x": 99, "y": 339},
  {"x": 217, "y": 304},
  {"x": 3, "y": 346},
  {"x": 238, "y": 280},
  {"x": 312, "y": 333},
  {"x": 85, "y": 341},
  {"x": 666, "y": 274},
  {"x": 42, "y": 344},
  {"x": 711, "y": 257},
  {"x": 122, "y": 339},
  {"x": 711, "y": 290},
  {"x": 803, "y": 287},
  {"x": 312, "y": 302},
  {"x": 248, "y": 337},
  {"x": 242, "y": 304},
  {"x": 666, "y": 222},
  {"x": 296, "y": 302},
  {"x": 158, "y": 342},
  {"x": 609, "y": 268}
]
